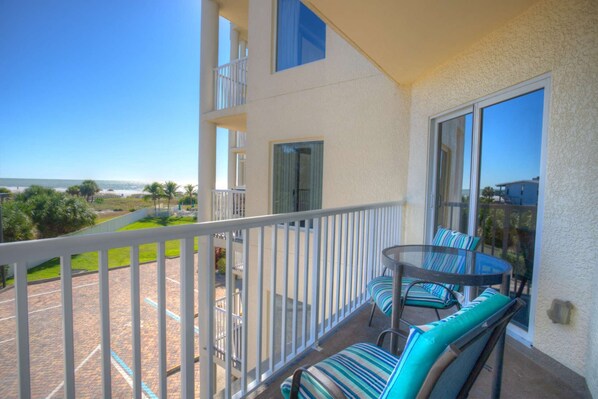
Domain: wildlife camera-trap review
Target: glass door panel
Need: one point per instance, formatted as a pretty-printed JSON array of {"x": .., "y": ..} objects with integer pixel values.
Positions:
[
  {"x": 509, "y": 177},
  {"x": 453, "y": 173}
]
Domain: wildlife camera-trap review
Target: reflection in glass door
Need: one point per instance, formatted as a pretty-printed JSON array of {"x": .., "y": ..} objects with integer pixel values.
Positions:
[
  {"x": 454, "y": 171},
  {"x": 509, "y": 180},
  {"x": 487, "y": 159}
]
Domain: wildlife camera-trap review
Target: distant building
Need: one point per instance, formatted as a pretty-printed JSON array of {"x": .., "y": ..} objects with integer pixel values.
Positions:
[{"x": 520, "y": 192}]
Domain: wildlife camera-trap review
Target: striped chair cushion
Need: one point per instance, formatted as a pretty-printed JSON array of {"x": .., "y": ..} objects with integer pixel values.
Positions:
[
  {"x": 448, "y": 263},
  {"x": 360, "y": 371},
  {"x": 426, "y": 343},
  {"x": 380, "y": 290}
]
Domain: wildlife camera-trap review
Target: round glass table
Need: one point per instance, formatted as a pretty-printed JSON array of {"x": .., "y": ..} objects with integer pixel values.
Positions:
[{"x": 446, "y": 266}]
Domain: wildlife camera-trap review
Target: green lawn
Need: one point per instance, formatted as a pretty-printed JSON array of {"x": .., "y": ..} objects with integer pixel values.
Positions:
[{"x": 118, "y": 256}]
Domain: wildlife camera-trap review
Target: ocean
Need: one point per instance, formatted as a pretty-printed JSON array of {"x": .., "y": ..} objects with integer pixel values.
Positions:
[{"x": 118, "y": 187}]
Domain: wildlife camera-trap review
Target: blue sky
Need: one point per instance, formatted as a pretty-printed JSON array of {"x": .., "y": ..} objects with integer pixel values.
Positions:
[{"x": 101, "y": 89}]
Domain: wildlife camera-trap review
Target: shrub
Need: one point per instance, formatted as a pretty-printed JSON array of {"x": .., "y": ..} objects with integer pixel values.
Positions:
[
  {"x": 221, "y": 265},
  {"x": 99, "y": 200},
  {"x": 132, "y": 210},
  {"x": 17, "y": 226},
  {"x": 117, "y": 209}
]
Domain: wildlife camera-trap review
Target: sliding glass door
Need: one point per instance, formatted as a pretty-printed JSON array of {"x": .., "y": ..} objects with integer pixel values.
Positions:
[{"x": 487, "y": 181}]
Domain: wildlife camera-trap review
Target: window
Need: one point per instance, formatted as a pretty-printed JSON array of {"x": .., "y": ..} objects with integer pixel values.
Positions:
[
  {"x": 240, "y": 175},
  {"x": 301, "y": 35},
  {"x": 297, "y": 176}
]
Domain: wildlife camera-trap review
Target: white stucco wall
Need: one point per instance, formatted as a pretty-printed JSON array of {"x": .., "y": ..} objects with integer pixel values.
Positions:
[
  {"x": 360, "y": 114},
  {"x": 559, "y": 37}
]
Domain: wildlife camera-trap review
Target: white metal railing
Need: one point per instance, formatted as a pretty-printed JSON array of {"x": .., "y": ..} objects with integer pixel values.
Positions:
[
  {"x": 240, "y": 139},
  {"x": 228, "y": 204},
  {"x": 220, "y": 329},
  {"x": 303, "y": 274},
  {"x": 230, "y": 84}
]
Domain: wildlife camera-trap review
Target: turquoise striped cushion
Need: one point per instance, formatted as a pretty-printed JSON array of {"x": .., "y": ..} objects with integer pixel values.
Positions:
[
  {"x": 448, "y": 263},
  {"x": 360, "y": 371},
  {"x": 380, "y": 290},
  {"x": 426, "y": 343}
]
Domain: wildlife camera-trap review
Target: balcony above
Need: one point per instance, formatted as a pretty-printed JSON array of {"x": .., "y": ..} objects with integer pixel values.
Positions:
[
  {"x": 230, "y": 95},
  {"x": 230, "y": 84}
]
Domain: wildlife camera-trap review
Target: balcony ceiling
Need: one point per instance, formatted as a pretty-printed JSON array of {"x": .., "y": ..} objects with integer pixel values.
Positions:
[
  {"x": 236, "y": 11},
  {"x": 406, "y": 38}
]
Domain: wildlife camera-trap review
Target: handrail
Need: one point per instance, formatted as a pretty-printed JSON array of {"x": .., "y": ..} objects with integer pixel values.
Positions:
[
  {"x": 24, "y": 251},
  {"x": 315, "y": 265}
]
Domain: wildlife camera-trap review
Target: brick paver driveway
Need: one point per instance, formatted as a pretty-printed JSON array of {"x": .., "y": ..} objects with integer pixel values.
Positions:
[{"x": 45, "y": 326}]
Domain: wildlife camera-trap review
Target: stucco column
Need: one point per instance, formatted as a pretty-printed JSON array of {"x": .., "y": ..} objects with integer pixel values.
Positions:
[
  {"x": 242, "y": 48},
  {"x": 232, "y": 135},
  {"x": 207, "y": 131},
  {"x": 232, "y": 159}
]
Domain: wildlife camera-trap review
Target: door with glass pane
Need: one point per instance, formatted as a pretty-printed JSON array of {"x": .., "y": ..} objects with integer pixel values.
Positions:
[
  {"x": 487, "y": 159},
  {"x": 297, "y": 176},
  {"x": 454, "y": 173}
]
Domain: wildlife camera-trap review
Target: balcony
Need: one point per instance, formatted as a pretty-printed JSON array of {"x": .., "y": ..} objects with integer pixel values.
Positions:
[
  {"x": 228, "y": 204},
  {"x": 119, "y": 332},
  {"x": 230, "y": 84}
]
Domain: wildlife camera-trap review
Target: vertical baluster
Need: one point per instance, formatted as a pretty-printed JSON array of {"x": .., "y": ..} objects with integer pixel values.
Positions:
[
  {"x": 315, "y": 277},
  {"x": 135, "y": 321},
  {"x": 22, "y": 316},
  {"x": 345, "y": 264},
  {"x": 230, "y": 308},
  {"x": 187, "y": 319},
  {"x": 260, "y": 304},
  {"x": 66, "y": 283},
  {"x": 244, "y": 310},
  {"x": 350, "y": 266},
  {"x": 339, "y": 249},
  {"x": 305, "y": 280},
  {"x": 105, "y": 323},
  {"x": 273, "y": 296},
  {"x": 373, "y": 272},
  {"x": 285, "y": 282},
  {"x": 206, "y": 311},
  {"x": 359, "y": 265},
  {"x": 326, "y": 295},
  {"x": 161, "y": 284},
  {"x": 295, "y": 290}
]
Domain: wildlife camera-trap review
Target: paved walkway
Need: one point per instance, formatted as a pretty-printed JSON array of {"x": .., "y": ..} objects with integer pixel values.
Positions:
[{"x": 45, "y": 324}]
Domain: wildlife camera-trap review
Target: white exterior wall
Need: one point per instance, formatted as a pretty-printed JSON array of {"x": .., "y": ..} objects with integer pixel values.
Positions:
[
  {"x": 559, "y": 37},
  {"x": 360, "y": 114}
]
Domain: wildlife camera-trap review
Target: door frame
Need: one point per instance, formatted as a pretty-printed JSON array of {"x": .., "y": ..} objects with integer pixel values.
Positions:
[{"x": 475, "y": 107}]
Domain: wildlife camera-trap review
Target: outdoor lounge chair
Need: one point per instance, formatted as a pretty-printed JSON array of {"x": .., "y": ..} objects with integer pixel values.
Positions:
[
  {"x": 441, "y": 359},
  {"x": 424, "y": 294}
]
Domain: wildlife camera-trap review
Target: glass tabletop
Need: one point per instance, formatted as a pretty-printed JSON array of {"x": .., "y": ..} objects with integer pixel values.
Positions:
[{"x": 445, "y": 264}]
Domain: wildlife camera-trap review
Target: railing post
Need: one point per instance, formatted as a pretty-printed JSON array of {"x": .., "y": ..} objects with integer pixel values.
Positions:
[
  {"x": 315, "y": 288},
  {"x": 66, "y": 283},
  {"x": 187, "y": 319},
  {"x": 205, "y": 279},
  {"x": 22, "y": 315},
  {"x": 105, "y": 323}
]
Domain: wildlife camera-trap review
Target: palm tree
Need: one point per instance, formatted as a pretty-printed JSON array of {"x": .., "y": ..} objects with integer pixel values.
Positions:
[
  {"x": 170, "y": 188},
  {"x": 89, "y": 188},
  {"x": 155, "y": 192},
  {"x": 190, "y": 192}
]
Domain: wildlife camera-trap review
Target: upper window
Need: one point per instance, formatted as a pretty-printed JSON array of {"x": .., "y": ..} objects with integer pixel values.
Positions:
[
  {"x": 301, "y": 35},
  {"x": 297, "y": 176}
]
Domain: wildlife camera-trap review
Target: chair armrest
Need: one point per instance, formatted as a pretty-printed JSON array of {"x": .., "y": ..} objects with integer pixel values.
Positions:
[
  {"x": 383, "y": 334},
  {"x": 320, "y": 377}
]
